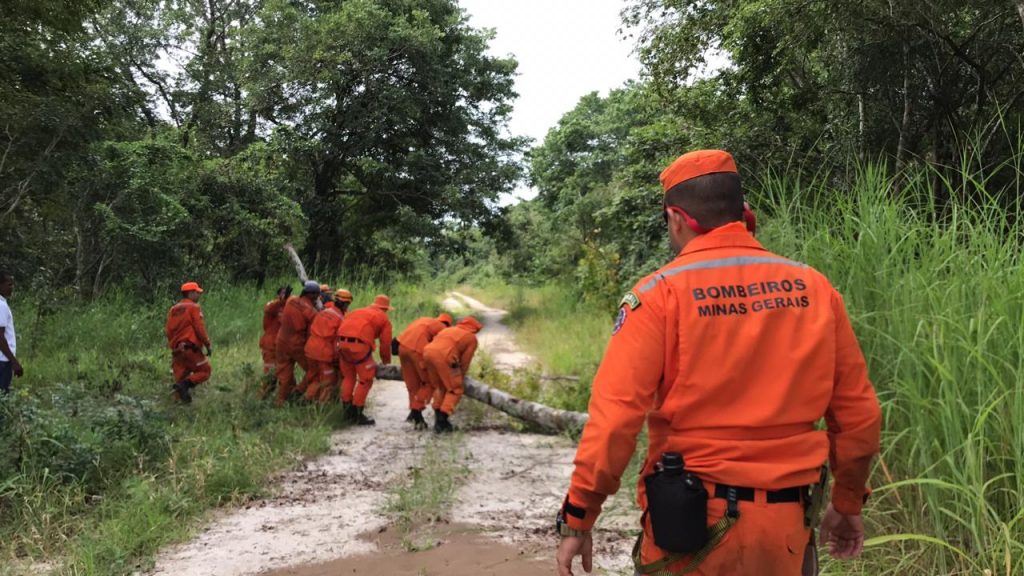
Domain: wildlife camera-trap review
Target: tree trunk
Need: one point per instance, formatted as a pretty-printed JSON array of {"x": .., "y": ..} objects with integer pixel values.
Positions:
[
  {"x": 1020, "y": 10},
  {"x": 901, "y": 147},
  {"x": 300, "y": 270},
  {"x": 551, "y": 419}
]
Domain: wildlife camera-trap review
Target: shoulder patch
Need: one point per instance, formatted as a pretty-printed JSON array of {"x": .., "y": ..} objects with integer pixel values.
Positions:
[
  {"x": 631, "y": 300},
  {"x": 620, "y": 320}
]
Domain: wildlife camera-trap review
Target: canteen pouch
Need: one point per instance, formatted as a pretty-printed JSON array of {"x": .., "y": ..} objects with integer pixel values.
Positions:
[{"x": 677, "y": 504}]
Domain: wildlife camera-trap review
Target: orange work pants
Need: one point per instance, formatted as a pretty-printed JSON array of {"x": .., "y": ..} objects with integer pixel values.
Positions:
[
  {"x": 269, "y": 361},
  {"x": 286, "y": 374},
  {"x": 324, "y": 382},
  {"x": 447, "y": 381},
  {"x": 357, "y": 372},
  {"x": 414, "y": 373},
  {"x": 767, "y": 540},
  {"x": 190, "y": 364}
]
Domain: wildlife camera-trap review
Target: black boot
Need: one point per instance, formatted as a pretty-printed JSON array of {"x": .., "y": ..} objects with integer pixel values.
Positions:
[
  {"x": 181, "y": 391},
  {"x": 416, "y": 417},
  {"x": 361, "y": 419},
  {"x": 348, "y": 411},
  {"x": 441, "y": 423}
]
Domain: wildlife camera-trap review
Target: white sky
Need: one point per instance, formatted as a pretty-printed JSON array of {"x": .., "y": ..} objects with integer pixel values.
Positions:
[{"x": 565, "y": 49}]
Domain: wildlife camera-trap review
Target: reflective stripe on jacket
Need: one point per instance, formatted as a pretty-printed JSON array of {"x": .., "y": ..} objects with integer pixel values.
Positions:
[{"x": 732, "y": 354}]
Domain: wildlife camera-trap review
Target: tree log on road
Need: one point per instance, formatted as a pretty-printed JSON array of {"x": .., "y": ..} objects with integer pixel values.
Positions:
[
  {"x": 300, "y": 270},
  {"x": 546, "y": 417}
]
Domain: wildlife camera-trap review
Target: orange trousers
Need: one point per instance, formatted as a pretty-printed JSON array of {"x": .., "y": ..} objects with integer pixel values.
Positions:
[
  {"x": 286, "y": 374},
  {"x": 269, "y": 361},
  {"x": 358, "y": 370},
  {"x": 190, "y": 364},
  {"x": 767, "y": 540},
  {"x": 447, "y": 383},
  {"x": 322, "y": 386},
  {"x": 414, "y": 373}
]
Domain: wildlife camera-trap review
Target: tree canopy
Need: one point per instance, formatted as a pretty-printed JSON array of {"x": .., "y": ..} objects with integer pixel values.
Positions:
[{"x": 147, "y": 140}]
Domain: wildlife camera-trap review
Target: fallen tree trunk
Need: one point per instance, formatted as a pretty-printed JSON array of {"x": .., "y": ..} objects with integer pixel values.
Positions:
[
  {"x": 300, "y": 270},
  {"x": 557, "y": 377},
  {"x": 546, "y": 417}
]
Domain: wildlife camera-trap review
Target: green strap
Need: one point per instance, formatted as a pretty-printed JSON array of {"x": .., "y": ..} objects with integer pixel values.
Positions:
[{"x": 657, "y": 568}]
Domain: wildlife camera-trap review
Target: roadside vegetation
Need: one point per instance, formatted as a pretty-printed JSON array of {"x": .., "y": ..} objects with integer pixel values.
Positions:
[{"x": 99, "y": 468}]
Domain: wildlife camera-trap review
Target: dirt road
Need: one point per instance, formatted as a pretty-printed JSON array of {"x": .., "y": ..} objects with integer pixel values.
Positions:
[{"x": 328, "y": 514}]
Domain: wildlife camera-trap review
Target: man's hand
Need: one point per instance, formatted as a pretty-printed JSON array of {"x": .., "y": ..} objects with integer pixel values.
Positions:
[
  {"x": 18, "y": 370},
  {"x": 844, "y": 534},
  {"x": 571, "y": 547}
]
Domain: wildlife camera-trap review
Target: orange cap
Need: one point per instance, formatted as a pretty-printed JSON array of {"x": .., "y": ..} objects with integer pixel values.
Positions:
[
  {"x": 383, "y": 302},
  {"x": 471, "y": 324},
  {"x": 325, "y": 288},
  {"x": 343, "y": 295},
  {"x": 191, "y": 287},
  {"x": 446, "y": 318},
  {"x": 694, "y": 164}
]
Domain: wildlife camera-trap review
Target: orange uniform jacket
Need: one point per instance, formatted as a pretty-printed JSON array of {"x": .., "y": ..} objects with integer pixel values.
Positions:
[
  {"x": 323, "y": 335},
  {"x": 368, "y": 325},
  {"x": 296, "y": 317},
  {"x": 732, "y": 354},
  {"x": 185, "y": 324},
  {"x": 271, "y": 323},
  {"x": 419, "y": 333},
  {"x": 456, "y": 345}
]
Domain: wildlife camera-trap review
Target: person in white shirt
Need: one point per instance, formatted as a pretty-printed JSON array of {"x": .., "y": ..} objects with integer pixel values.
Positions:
[{"x": 9, "y": 365}]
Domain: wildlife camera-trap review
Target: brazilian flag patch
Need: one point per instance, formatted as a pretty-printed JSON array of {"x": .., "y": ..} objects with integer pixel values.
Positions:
[{"x": 631, "y": 300}]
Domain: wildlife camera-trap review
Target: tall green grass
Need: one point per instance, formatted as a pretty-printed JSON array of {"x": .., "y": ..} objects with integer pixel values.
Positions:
[
  {"x": 936, "y": 294},
  {"x": 99, "y": 468}
]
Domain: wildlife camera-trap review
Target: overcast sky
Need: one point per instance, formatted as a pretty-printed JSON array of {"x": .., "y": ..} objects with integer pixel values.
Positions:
[{"x": 565, "y": 49}]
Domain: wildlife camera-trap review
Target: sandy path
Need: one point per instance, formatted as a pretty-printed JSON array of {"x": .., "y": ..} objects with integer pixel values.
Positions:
[
  {"x": 521, "y": 479},
  {"x": 517, "y": 484},
  {"x": 321, "y": 508}
]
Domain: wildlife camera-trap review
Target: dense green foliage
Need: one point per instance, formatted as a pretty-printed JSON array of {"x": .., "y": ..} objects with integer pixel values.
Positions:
[
  {"x": 143, "y": 141},
  {"x": 811, "y": 89}
]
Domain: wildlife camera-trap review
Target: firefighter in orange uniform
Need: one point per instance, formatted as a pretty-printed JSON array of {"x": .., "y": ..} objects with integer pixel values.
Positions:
[
  {"x": 322, "y": 347},
  {"x": 357, "y": 339},
  {"x": 271, "y": 324},
  {"x": 186, "y": 335},
  {"x": 414, "y": 371},
  {"x": 296, "y": 318},
  {"x": 732, "y": 354},
  {"x": 326, "y": 298},
  {"x": 447, "y": 359}
]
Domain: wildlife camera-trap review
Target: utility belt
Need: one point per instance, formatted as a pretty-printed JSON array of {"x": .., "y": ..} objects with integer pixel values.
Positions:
[
  {"x": 186, "y": 345},
  {"x": 355, "y": 340},
  {"x": 677, "y": 503}
]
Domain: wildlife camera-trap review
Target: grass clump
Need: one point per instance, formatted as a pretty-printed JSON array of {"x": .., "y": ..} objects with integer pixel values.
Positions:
[{"x": 428, "y": 491}]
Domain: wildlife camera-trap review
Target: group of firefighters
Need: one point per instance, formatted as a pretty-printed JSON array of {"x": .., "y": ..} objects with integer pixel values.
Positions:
[
  {"x": 316, "y": 331},
  {"x": 730, "y": 355}
]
